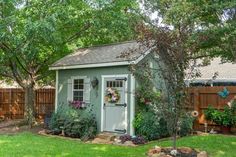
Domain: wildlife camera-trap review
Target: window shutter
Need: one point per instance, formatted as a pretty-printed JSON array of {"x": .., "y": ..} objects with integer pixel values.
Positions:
[
  {"x": 87, "y": 87},
  {"x": 69, "y": 90}
]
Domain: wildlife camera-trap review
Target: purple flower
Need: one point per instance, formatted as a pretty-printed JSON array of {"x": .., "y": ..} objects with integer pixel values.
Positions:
[{"x": 77, "y": 104}]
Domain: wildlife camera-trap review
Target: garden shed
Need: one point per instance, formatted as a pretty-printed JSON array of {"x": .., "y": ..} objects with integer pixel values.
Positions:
[{"x": 100, "y": 76}]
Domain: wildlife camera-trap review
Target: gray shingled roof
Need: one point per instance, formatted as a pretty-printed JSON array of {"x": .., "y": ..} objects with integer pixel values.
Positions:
[
  {"x": 102, "y": 54},
  {"x": 224, "y": 70}
]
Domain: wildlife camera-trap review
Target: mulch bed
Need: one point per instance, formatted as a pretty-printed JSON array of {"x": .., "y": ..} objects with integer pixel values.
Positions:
[{"x": 16, "y": 126}]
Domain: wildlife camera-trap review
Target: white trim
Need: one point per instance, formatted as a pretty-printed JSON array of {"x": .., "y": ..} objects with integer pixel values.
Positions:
[
  {"x": 90, "y": 65},
  {"x": 102, "y": 102},
  {"x": 142, "y": 56},
  {"x": 102, "y": 64},
  {"x": 102, "y": 97},
  {"x": 56, "y": 92},
  {"x": 74, "y": 78},
  {"x": 78, "y": 77},
  {"x": 132, "y": 104}
]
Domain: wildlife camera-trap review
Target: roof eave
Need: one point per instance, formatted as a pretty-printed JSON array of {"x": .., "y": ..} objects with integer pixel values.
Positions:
[{"x": 90, "y": 65}]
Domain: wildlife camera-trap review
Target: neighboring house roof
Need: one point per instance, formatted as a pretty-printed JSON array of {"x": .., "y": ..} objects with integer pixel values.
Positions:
[
  {"x": 224, "y": 71},
  {"x": 105, "y": 55},
  {"x": 4, "y": 84},
  {"x": 14, "y": 84}
]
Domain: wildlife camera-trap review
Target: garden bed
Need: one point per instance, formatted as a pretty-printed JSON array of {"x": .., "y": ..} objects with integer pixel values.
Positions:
[{"x": 180, "y": 152}]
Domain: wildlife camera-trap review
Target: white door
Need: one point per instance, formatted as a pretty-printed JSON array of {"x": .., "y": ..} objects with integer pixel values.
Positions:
[{"x": 115, "y": 104}]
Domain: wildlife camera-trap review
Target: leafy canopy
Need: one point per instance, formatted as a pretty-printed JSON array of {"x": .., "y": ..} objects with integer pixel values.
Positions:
[{"x": 35, "y": 33}]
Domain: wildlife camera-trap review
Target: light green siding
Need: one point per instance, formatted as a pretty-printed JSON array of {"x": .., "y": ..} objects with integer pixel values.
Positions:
[
  {"x": 155, "y": 68},
  {"x": 95, "y": 94}
]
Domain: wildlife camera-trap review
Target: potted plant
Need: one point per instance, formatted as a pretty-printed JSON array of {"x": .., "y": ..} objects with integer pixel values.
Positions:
[{"x": 226, "y": 118}]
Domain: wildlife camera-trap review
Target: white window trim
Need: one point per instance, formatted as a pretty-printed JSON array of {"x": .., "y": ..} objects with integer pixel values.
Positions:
[
  {"x": 132, "y": 104},
  {"x": 102, "y": 98},
  {"x": 75, "y": 78}
]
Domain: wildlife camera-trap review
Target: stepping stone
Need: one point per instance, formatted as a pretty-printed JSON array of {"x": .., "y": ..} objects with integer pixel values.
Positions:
[{"x": 105, "y": 138}]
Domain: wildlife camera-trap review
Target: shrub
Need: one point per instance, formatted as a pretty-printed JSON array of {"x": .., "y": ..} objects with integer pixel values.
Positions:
[
  {"x": 125, "y": 138},
  {"x": 227, "y": 117},
  {"x": 146, "y": 124},
  {"x": 138, "y": 140},
  {"x": 75, "y": 122},
  {"x": 186, "y": 124}
]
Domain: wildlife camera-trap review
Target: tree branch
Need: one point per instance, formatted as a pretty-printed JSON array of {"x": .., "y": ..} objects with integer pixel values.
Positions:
[{"x": 77, "y": 34}]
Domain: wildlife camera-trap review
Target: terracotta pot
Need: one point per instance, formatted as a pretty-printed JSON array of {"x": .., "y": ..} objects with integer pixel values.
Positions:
[{"x": 225, "y": 129}]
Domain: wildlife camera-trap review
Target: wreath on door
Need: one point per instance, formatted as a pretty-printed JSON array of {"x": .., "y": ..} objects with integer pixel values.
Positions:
[{"x": 112, "y": 95}]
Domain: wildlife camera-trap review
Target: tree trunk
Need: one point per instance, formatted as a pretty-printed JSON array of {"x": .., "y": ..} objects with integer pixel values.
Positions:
[
  {"x": 29, "y": 112},
  {"x": 174, "y": 140}
]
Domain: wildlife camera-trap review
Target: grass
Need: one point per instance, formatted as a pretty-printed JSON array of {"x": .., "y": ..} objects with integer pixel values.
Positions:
[{"x": 31, "y": 145}]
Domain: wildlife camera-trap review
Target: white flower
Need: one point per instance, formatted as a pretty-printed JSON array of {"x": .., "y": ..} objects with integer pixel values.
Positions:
[{"x": 174, "y": 152}]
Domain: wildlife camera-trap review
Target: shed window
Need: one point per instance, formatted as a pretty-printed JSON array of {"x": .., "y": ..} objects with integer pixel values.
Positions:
[{"x": 78, "y": 90}]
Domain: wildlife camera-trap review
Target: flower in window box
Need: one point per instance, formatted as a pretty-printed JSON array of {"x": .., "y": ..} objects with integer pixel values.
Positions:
[{"x": 77, "y": 104}]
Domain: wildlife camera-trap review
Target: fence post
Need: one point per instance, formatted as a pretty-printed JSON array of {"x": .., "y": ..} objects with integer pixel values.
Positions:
[{"x": 196, "y": 106}]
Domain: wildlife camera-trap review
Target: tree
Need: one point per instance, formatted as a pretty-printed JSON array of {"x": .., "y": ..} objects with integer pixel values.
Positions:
[
  {"x": 183, "y": 32},
  {"x": 35, "y": 33}
]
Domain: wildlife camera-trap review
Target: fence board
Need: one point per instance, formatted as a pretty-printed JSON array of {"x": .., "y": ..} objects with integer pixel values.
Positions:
[
  {"x": 12, "y": 102},
  {"x": 201, "y": 97}
]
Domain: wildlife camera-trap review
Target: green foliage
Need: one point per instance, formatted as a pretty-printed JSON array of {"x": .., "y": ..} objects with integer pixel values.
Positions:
[
  {"x": 147, "y": 124},
  {"x": 186, "y": 124},
  {"x": 210, "y": 26},
  {"x": 153, "y": 127},
  {"x": 74, "y": 122},
  {"x": 34, "y": 34},
  {"x": 227, "y": 117}
]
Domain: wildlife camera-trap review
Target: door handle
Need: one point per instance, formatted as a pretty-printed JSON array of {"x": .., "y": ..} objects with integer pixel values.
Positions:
[
  {"x": 121, "y": 130},
  {"x": 125, "y": 105}
]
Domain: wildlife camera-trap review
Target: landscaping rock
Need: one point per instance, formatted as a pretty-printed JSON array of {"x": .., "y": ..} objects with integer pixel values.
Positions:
[
  {"x": 117, "y": 141},
  {"x": 156, "y": 150},
  {"x": 202, "y": 154},
  {"x": 129, "y": 143},
  {"x": 169, "y": 152},
  {"x": 185, "y": 150}
]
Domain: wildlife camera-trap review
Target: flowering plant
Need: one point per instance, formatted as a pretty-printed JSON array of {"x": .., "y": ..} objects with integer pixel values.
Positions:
[
  {"x": 112, "y": 95},
  {"x": 77, "y": 104}
]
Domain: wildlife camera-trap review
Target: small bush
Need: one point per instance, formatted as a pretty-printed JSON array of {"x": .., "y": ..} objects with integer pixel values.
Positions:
[
  {"x": 186, "y": 124},
  {"x": 75, "y": 122},
  {"x": 138, "y": 140},
  {"x": 146, "y": 124},
  {"x": 125, "y": 138},
  {"x": 227, "y": 117}
]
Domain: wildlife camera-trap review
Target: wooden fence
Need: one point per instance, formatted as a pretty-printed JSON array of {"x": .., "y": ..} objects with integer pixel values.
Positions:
[
  {"x": 12, "y": 102},
  {"x": 201, "y": 97}
]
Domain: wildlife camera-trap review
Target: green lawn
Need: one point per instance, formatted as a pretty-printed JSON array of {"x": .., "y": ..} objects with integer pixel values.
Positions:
[{"x": 30, "y": 145}]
